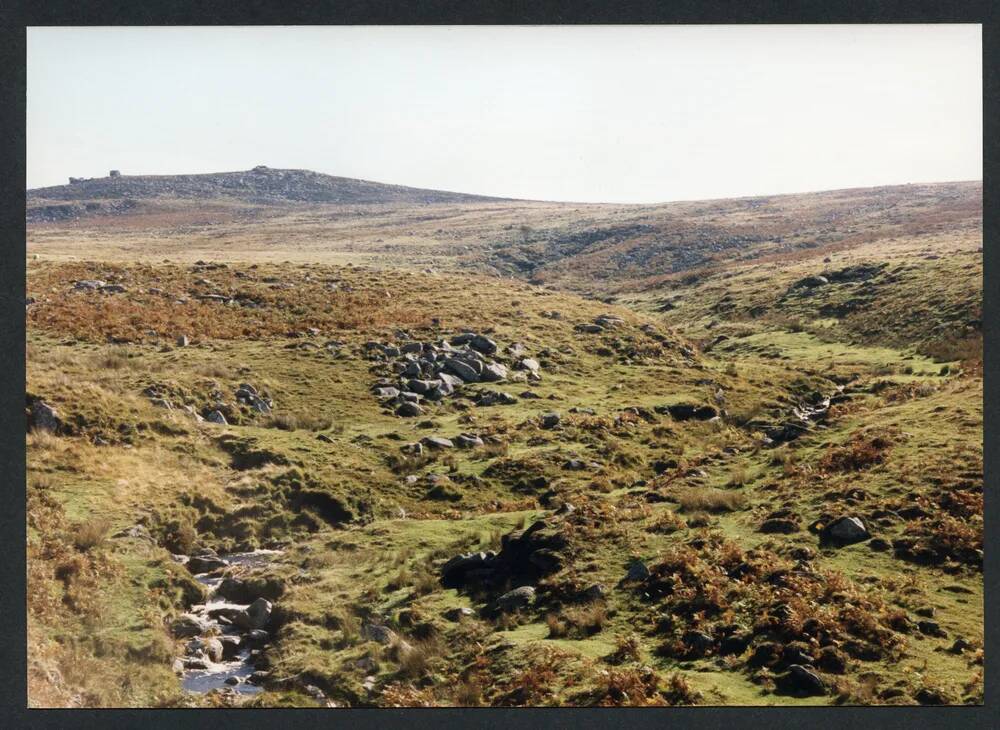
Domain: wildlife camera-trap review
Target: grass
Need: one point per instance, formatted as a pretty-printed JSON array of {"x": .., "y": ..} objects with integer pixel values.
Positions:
[{"x": 695, "y": 499}]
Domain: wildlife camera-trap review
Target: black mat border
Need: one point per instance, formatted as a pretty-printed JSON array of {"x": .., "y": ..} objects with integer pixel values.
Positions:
[{"x": 15, "y": 16}]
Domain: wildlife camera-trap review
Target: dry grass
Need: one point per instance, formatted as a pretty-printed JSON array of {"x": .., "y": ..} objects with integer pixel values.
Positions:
[
  {"x": 90, "y": 533},
  {"x": 577, "y": 621},
  {"x": 297, "y": 422},
  {"x": 861, "y": 452},
  {"x": 667, "y": 522},
  {"x": 468, "y": 693},
  {"x": 415, "y": 659}
]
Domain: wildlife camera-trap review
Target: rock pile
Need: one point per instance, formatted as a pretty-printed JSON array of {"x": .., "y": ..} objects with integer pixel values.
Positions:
[{"x": 418, "y": 373}]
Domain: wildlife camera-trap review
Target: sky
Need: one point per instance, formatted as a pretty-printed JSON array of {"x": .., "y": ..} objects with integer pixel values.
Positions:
[{"x": 623, "y": 114}]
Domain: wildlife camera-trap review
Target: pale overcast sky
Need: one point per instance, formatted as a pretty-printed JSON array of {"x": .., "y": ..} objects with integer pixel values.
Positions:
[{"x": 616, "y": 114}]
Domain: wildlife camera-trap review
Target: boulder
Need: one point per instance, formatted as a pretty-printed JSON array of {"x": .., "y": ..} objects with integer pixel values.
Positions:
[
  {"x": 437, "y": 442},
  {"x": 254, "y": 639},
  {"x": 188, "y": 625},
  {"x": 386, "y": 392},
  {"x": 468, "y": 441},
  {"x": 846, "y": 531},
  {"x": 462, "y": 369},
  {"x": 210, "y": 647},
  {"x": 697, "y": 643},
  {"x": 217, "y": 417},
  {"x": 422, "y": 386},
  {"x": 255, "y": 616},
  {"x": 409, "y": 410},
  {"x": 248, "y": 588},
  {"x": 734, "y": 645},
  {"x": 637, "y": 571},
  {"x": 549, "y": 420},
  {"x": 441, "y": 391},
  {"x": 811, "y": 282},
  {"x": 516, "y": 599},
  {"x": 459, "y": 569},
  {"x": 198, "y": 564},
  {"x": 931, "y": 628},
  {"x": 44, "y": 417},
  {"x": 529, "y": 364},
  {"x": 378, "y": 633},
  {"x": 182, "y": 341},
  {"x": 832, "y": 660},
  {"x": 450, "y": 380},
  {"x": 483, "y": 344},
  {"x": 609, "y": 321},
  {"x": 493, "y": 372},
  {"x": 226, "y": 614},
  {"x": 802, "y": 681}
]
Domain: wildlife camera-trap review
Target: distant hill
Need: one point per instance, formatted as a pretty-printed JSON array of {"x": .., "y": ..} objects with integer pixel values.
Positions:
[
  {"x": 597, "y": 249},
  {"x": 259, "y": 186}
]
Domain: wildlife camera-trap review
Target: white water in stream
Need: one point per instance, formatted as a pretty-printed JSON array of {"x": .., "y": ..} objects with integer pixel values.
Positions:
[{"x": 215, "y": 674}]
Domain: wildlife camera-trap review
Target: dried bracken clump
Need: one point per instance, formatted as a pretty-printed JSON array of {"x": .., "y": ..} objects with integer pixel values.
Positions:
[
  {"x": 861, "y": 452},
  {"x": 629, "y": 686}
]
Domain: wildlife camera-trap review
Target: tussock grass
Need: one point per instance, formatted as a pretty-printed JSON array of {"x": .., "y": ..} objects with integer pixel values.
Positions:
[
  {"x": 90, "y": 533},
  {"x": 708, "y": 499}
]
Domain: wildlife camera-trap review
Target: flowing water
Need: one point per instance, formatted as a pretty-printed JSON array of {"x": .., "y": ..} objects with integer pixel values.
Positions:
[{"x": 219, "y": 675}]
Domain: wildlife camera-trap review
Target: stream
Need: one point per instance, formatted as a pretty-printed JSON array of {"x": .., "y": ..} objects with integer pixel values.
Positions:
[{"x": 202, "y": 674}]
